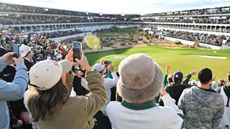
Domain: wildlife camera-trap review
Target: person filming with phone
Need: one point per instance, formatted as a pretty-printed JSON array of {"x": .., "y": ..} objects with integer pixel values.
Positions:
[
  {"x": 11, "y": 91},
  {"x": 49, "y": 101}
]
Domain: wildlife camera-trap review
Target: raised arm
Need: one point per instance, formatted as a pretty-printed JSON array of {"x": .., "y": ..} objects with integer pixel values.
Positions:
[
  {"x": 97, "y": 96},
  {"x": 15, "y": 90}
]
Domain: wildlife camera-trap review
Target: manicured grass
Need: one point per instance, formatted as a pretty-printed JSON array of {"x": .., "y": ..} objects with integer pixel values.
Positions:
[
  {"x": 178, "y": 59},
  {"x": 119, "y": 31}
]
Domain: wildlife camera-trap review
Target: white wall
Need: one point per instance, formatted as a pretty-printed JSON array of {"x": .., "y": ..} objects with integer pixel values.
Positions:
[{"x": 186, "y": 42}]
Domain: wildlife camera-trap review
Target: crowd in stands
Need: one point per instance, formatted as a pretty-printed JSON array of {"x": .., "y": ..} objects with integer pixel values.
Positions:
[
  {"x": 211, "y": 39},
  {"x": 220, "y": 10},
  {"x": 35, "y": 19},
  {"x": 198, "y": 28},
  {"x": 85, "y": 97},
  {"x": 19, "y": 14},
  {"x": 193, "y": 20},
  {"x": 30, "y": 9},
  {"x": 41, "y": 43}
]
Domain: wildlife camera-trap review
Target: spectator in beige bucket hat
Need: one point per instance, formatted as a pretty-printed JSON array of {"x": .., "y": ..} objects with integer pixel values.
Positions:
[{"x": 140, "y": 81}]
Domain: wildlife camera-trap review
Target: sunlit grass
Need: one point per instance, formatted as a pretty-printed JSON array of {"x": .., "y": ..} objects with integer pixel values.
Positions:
[{"x": 178, "y": 59}]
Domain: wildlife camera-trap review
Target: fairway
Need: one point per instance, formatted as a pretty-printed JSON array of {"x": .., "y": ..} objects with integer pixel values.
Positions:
[{"x": 184, "y": 59}]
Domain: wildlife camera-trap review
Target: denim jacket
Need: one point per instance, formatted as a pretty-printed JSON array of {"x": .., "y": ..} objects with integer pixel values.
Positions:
[{"x": 11, "y": 91}]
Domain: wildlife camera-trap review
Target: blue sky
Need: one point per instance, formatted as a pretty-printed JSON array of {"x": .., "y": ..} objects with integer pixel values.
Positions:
[{"x": 123, "y": 6}]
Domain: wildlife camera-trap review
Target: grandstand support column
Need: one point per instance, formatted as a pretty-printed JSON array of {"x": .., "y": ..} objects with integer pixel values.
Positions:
[{"x": 84, "y": 31}]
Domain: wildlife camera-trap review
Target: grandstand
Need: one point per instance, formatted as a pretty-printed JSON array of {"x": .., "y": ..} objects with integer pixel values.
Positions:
[
  {"x": 209, "y": 26},
  {"x": 46, "y": 20}
]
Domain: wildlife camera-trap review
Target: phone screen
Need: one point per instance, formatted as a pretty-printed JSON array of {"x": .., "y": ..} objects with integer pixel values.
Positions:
[
  {"x": 77, "y": 48},
  {"x": 16, "y": 49}
]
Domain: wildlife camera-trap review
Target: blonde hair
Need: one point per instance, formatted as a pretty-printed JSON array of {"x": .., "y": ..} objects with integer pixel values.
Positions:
[{"x": 45, "y": 103}]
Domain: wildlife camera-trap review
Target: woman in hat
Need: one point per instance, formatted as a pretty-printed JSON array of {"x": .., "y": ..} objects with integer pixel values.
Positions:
[
  {"x": 140, "y": 81},
  {"x": 49, "y": 99}
]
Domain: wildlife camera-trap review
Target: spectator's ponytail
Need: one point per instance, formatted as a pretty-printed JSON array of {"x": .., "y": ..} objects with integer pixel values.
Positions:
[{"x": 45, "y": 103}]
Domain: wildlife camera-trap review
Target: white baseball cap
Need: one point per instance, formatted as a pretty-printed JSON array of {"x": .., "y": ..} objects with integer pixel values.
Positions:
[
  {"x": 45, "y": 74},
  {"x": 98, "y": 67},
  {"x": 24, "y": 49}
]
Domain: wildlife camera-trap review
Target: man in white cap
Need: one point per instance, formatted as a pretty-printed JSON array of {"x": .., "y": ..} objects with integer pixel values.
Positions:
[
  {"x": 102, "y": 121},
  {"x": 18, "y": 106},
  {"x": 26, "y": 52},
  {"x": 108, "y": 82}
]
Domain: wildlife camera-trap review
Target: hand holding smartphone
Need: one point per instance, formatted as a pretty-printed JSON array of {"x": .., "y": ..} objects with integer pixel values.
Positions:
[
  {"x": 16, "y": 50},
  {"x": 77, "y": 50}
]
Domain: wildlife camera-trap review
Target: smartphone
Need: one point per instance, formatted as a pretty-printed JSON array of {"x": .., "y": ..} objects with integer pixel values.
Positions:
[
  {"x": 16, "y": 50},
  {"x": 77, "y": 49}
]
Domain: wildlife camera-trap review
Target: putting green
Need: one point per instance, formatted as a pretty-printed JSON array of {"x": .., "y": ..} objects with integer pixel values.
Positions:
[{"x": 179, "y": 59}]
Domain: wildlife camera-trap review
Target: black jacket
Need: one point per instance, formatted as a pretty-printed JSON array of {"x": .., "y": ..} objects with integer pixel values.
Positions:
[{"x": 175, "y": 89}]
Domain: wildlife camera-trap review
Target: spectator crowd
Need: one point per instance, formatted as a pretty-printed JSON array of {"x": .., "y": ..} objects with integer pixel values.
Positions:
[
  {"x": 67, "y": 93},
  {"x": 45, "y": 87},
  {"x": 192, "y": 20},
  {"x": 211, "y": 39}
]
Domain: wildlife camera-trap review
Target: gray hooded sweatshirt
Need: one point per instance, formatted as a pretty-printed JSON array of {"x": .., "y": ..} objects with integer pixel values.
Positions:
[{"x": 202, "y": 108}]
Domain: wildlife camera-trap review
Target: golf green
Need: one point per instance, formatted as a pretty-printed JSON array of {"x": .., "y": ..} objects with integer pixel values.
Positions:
[{"x": 183, "y": 59}]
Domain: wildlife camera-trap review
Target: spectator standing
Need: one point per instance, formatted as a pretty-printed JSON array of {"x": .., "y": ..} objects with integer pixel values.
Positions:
[
  {"x": 80, "y": 85},
  {"x": 109, "y": 69},
  {"x": 58, "y": 110},
  {"x": 109, "y": 74},
  {"x": 166, "y": 77},
  {"x": 108, "y": 82},
  {"x": 225, "y": 93},
  {"x": 11, "y": 91},
  {"x": 7, "y": 74},
  {"x": 138, "y": 89},
  {"x": 203, "y": 107},
  {"x": 18, "y": 106},
  {"x": 27, "y": 54},
  {"x": 176, "y": 88}
]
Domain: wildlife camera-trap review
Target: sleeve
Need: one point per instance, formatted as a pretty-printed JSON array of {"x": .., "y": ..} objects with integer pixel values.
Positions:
[
  {"x": 168, "y": 101},
  {"x": 2, "y": 65},
  {"x": 219, "y": 114},
  {"x": 176, "y": 121},
  {"x": 115, "y": 77},
  {"x": 84, "y": 83},
  {"x": 165, "y": 81},
  {"x": 77, "y": 86},
  {"x": 18, "y": 107},
  {"x": 109, "y": 83},
  {"x": 181, "y": 102},
  {"x": 97, "y": 96},
  {"x": 15, "y": 90},
  {"x": 187, "y": 78}
]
